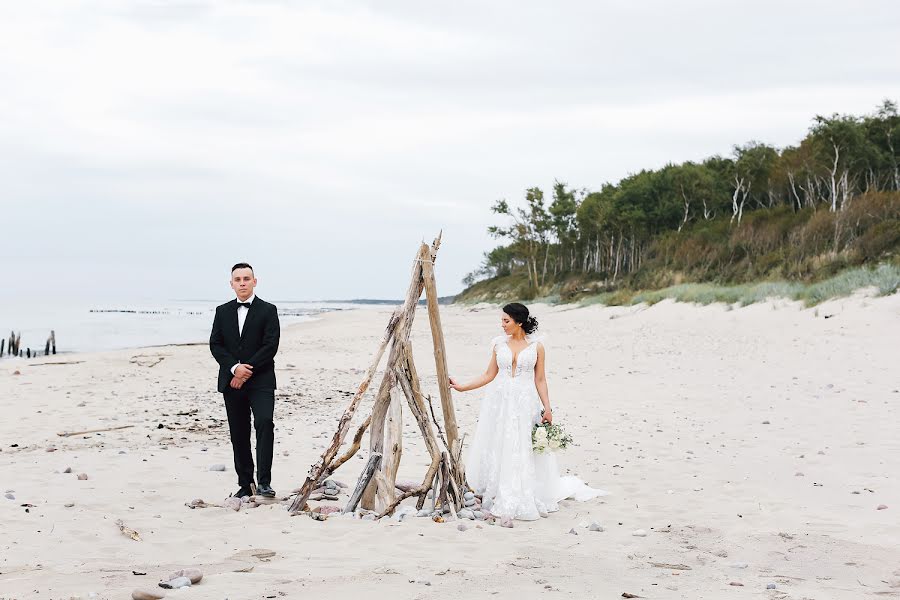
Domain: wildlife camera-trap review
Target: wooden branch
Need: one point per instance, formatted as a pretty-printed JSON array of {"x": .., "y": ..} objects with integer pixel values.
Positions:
[
  {"x": 364, "y": 479},
  {"x": 421, "y": 491},
  {"x": 71, "y": 433},
  {"x": 409, "y": 383},
  {"x": 449, "y": 496},
  {"x": 440, "y": 354},
  {"x": 315, "y": 472},
  {"x": 401, "y": 335},
  {"x": 354, "y": 447}
]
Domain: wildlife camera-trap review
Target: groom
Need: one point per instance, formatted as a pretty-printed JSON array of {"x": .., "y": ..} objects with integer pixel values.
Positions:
[{"x": 244, "y": 341}]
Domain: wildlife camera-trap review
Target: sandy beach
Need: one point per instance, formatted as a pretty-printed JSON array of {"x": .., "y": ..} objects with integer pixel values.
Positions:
[{"x": 754, "y": 446}]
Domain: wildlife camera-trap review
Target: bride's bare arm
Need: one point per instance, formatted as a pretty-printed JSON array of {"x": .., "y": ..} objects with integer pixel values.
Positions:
[
  {"x": 484, "y": 379},
  {"x": 540, "y": 381}
]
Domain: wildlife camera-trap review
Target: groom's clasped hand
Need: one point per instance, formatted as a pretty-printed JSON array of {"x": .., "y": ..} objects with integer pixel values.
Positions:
[{"x": 241, "y": 374}]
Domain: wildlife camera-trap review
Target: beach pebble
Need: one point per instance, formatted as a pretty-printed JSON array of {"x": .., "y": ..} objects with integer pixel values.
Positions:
[
  {"x": 233, "y": 503},
  {"x": 10, "y": 496},
  {"x": 469, "y": 496},
  {"x": 467, "y": 514},
  {"x": 595, "y": 527},
  {"x": 69, "y": 504},
  {"x": 766, "y": 423},
  {"x": 68, "y": 470},
  {"x": 403, "y": 512},
  {"x": 327, "y": 509},
  {"x": 639, "y": 533},
  {"x": 82, "y": 477},
  {"x": 881, "y": 507},
  {"x": 739, "y": 565},
  {"x": 369, "y": 517},
  {"x": 770, "y": 586},
  {"x": 424, "y": 513},
  {"x": 462, "y": 526},
  {"x": 736, "y": 584},
  {"x": 798, "y": 474},
  {"x": 217, "y": 468},
  {"x": 195, "y": 575},
  {"x": 178, "y": 582},
  {"x": 573, "y": 532},
  {"x": 470, "y": 503},
  {"x": 479, "y": 516},
  {"x": 145, "y": 594}
]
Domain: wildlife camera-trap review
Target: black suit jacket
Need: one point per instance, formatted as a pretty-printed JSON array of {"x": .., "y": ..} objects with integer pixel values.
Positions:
[{"x": 256, "y": 345}]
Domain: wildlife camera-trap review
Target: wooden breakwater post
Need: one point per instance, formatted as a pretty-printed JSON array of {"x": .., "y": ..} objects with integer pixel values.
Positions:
[{"x": 13, "y": 346}]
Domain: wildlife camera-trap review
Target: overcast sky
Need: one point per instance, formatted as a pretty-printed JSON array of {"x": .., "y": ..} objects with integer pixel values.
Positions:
[{"x": 145, "y": 146}]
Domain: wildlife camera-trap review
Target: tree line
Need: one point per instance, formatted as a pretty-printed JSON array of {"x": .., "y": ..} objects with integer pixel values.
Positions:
[{"x": 640, "y": 225}]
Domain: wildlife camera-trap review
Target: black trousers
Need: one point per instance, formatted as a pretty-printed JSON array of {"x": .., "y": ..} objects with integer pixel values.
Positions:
[{"x": 238, "y": 405}]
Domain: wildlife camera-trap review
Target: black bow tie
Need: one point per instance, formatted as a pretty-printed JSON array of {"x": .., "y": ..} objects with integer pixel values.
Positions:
[{"x": 244, "y": 304}]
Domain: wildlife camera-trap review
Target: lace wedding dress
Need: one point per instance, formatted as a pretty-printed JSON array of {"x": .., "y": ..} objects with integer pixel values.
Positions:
[{"x": 514, "y": 481}]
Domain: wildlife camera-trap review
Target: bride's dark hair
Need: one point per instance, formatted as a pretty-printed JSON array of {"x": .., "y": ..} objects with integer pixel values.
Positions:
[{"x": 519, "y": 314}]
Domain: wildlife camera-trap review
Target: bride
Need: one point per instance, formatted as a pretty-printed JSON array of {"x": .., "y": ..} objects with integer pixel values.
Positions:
[{"x": 514, "y": 481}]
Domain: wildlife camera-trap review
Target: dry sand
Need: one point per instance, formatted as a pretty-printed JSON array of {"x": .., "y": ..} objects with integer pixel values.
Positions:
[{"x": 753, "y": 446}]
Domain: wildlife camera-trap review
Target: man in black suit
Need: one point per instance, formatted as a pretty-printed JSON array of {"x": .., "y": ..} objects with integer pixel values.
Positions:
[{"x": 244, "y": 341}]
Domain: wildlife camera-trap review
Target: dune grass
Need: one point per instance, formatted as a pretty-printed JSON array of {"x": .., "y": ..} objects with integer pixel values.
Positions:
[{"x": 885, "y": 279}]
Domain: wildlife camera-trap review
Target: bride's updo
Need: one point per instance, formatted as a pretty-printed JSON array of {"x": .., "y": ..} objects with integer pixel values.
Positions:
[{"x": 519, "y": 314}]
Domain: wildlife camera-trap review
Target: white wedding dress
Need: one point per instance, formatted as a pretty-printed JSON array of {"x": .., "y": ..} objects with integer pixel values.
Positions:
[{"x": 514, "y": 481}]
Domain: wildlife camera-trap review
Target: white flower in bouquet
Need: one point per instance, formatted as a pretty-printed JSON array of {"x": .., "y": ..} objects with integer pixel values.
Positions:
[{"x": 546, "y": 436}]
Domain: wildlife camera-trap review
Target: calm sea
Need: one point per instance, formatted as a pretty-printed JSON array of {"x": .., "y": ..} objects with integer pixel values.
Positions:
[{"x": 81, "y": 327}]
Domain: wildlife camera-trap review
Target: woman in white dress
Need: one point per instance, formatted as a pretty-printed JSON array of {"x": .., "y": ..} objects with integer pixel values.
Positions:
[{"x": 514, "y": 481}]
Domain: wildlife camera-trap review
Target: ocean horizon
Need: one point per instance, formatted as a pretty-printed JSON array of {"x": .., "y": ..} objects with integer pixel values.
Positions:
[{"x": 102, "y": 326}]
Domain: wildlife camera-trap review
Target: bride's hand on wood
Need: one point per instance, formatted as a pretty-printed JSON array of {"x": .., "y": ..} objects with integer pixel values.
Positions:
[{"x": 454, "y": 385}]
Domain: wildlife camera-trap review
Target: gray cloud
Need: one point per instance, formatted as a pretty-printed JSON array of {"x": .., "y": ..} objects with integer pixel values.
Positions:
[{"x": 150, "y": 144}]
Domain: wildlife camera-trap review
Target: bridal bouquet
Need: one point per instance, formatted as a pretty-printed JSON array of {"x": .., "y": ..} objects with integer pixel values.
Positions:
[{"x": 549, "y": 437}]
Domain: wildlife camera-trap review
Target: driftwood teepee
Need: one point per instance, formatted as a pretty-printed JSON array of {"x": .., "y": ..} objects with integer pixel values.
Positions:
[{"x": 376, "y": 489}]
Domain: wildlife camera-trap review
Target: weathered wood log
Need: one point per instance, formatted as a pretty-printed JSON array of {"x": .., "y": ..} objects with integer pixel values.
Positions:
[
  {"x": 409, "y": 383},
  {"x": 440, "y": 354},
  {"x": 384, "y": 491},
  {"x": 393, "y": 443},
  {"x": 364, "y": 479},
  {"x": 404, "y": 327},
  {"x": 71, "y": 433},
  {"x": 2, "y": 347},
  {"x": 315, "y": 472},
  {"x": 53, "y": 341}
]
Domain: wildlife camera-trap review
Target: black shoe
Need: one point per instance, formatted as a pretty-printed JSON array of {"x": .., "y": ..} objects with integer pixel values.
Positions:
[
  {"x": 244, "y": 491},
  {"x": 266, "y": 490}
]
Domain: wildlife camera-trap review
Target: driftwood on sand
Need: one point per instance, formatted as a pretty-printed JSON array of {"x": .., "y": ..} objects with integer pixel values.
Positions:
[
  {"x": 102, "y": 429},
  {"x": 376, "y": 490}
]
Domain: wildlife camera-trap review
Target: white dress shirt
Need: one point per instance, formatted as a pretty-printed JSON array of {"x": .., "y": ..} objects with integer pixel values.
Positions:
[{"x": 242, "y": 316}]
